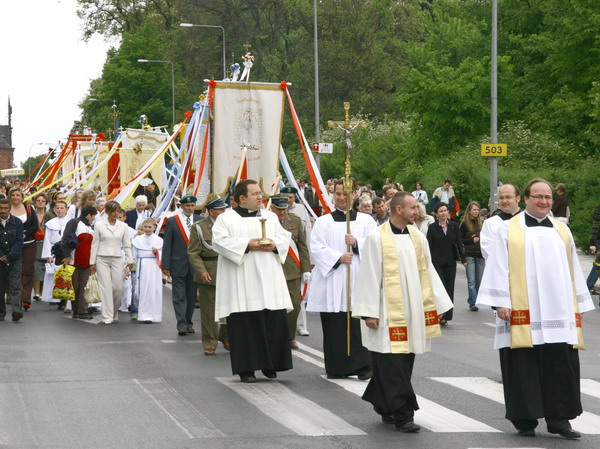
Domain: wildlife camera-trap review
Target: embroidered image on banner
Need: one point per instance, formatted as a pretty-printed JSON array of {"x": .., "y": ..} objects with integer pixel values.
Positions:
[
  {"x": 398, "y": 334},
  {"x": 250, "y": 116},
  {"x": 519, "y": 317}
]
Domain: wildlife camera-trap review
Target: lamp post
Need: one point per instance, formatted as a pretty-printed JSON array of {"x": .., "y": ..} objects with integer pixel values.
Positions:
[
  {"x": 494, "y": 108},
  {"x": 29, "y": 159},
  {"x": 317, "y": 125},
  {"x": 172, "y": 79},
  {"x": 192, "y": 25}
]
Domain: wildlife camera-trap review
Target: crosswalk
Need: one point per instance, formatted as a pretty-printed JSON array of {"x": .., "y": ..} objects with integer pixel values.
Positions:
[{"x": 283, "y": 402}]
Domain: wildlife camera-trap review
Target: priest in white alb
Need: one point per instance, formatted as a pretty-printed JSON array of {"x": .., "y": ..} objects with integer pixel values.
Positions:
[
  {"x": 327, "y": 291},
  {"x": 399, "y": 297},
  {"x": 534, "y": 282},
  {"x": 251, "y": 291}
]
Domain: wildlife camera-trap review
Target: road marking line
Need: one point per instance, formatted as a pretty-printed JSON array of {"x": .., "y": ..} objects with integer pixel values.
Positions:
[
  {"x": 431, "y": 415},
  {"x": 490, "y": 324},
  {"x": 310, "y": 350},
  {"x": 291, "y": 410},
  {"x": 308, "y": 359},
  {"x": 590, "y": 387},
  {"x": 588, "y": 423},
  {"x": 181, "y": 341},
  {"x": 179, "y": 410}
]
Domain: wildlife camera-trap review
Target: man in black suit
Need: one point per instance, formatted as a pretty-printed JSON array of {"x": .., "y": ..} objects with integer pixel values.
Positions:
[
  {"x": 175, "y": 263},
  {"x": 132, "y": 216}
]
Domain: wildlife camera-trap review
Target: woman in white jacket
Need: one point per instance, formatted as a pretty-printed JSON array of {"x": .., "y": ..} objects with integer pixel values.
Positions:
[{"x": 110, "y": 235}]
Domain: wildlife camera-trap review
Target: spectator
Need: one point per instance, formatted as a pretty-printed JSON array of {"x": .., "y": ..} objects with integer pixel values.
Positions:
[
  {"x": 381, "y": 211},
  {"x": 420, "y": 194},
  {"x": 560, "y": 205},
  {"x": 445, "y": 194},
  {"x": 11, "y": 244},
  {"x": 470, "y": 229},
  {"x": 422, "y": 220},
  {"x": 40, "y": 201},
  {"x": 388, "y": 192},
  {"x": 594, "y": 246}
]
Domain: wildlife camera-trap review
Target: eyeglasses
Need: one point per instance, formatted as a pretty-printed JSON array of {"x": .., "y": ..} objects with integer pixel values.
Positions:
[{"x": 541, "y": 197}]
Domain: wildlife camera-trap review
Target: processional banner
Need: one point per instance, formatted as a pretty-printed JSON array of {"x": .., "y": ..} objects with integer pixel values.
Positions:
[{"x": 246, "y": 116}]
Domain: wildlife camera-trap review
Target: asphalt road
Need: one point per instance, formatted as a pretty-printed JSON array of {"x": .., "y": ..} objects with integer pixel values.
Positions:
[{"x": 70, "y": 384}]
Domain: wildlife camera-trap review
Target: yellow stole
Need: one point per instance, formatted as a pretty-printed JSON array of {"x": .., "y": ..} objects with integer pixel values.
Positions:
[
  {"x": 520, "y": 323},
  {"x": 392, "y": 287}
]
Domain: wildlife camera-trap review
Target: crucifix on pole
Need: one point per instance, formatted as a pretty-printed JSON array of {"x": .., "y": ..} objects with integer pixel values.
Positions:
[{"x": 348, "y": 127}]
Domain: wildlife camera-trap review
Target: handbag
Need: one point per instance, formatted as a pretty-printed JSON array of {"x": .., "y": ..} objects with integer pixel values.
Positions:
[
  {"x": 63, "y": 283},
  {"x": 92, "y": 290}
]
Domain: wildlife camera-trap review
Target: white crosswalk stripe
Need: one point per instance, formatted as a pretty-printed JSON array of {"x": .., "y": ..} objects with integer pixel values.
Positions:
[
  {"x": 432, "y": 416},
  {"x": 588, "y": 423},
  {"x": 291, "y": 410}
]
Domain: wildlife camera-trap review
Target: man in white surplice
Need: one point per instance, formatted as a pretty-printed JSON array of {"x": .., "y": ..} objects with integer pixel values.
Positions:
[
  {"x": 251, "y": 291},
  {"x": 534, "y": 281},
  {"x": 398, "y": 320},
  {"x": 508, "y": 204},
  {"x": 327, "y": 290}
]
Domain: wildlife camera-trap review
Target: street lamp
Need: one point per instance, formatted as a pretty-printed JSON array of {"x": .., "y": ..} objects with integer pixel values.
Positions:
[
  {"x": 191, "y": 25},
  {"x": 317, "y": 126},
  {"x": 172, "y": 79},
  {"x": 29, "y": 159}
]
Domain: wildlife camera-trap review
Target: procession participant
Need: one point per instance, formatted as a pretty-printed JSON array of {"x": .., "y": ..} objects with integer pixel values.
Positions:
[
  {"x": 79, "y": 257},
  {"x": 137, "y": 215},
  {"x": 106, "y": 259},
  {"x": 400, "y": 297},
  {"x": 40, "y": 200},
  {"x": 534, "y": 280},
  {"x": 299, "y": 210},
  {"x": 27, "y": 215},
  {"x": 251, "y": 292},
  {"x": 175, "y": 263},
  {"x": 128, "y": 299},
  {"x": 508, "y": 204},
  {"x": 381, "y": 211},
  {"x": 296, "y": 267},
  {"x": 11, "y": 245},
  {"x": 149, "y": 290},
  {"x": 327, "y": 291},
  {"x": 203, "y": 260},
  {"x": 87, "y": 198},
  {"x": 53, "y": 234}
]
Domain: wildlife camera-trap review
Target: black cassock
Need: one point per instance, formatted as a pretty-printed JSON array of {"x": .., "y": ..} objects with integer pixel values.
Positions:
[{"x": 541, "y": 382}]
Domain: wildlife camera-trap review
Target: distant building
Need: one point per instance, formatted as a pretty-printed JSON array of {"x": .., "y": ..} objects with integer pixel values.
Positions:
[{"x": 7, "y": 151}]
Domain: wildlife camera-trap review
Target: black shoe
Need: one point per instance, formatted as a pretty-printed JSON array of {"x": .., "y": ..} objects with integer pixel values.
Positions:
[
  {"x": 270, "y": 373},
  {"x": 16, "y": 316},
  {"x": 526, "y": 432},
  {"x": 92, "y": 309},
  {"x": 60, "y": 307},
  {"x": 84, "y": 316},
  {"x": 190, "y": 330},
  {"x": 473, "y": 308},
  {"x": 567, "y": 433},
  {"x": 443, "y": 322},
  {"x": 248, "y": 378},
  {"x": 182, "y": 332},
  {"x": 387, "y": 418},
  {"x": 408, "y": 427},
  {"x": 336, "y": 376},
  {"x": 37, "y": 298},
  {"x": 365, "y": 374},
  {"x": 26, "y": 306}
]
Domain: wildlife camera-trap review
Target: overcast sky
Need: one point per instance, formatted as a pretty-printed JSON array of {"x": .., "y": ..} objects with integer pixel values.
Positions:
[{"x": 45, "y": 68}]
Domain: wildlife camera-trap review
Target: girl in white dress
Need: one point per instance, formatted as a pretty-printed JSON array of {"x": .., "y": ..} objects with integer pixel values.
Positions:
[{"x": 147, "y": 252}]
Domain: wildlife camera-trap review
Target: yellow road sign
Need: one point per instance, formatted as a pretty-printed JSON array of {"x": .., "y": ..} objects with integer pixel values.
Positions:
[{"x": 494, "y": 149}]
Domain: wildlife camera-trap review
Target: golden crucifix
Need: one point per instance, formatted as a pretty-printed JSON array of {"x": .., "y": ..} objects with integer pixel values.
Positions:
[{"x": 348, "y": 127}]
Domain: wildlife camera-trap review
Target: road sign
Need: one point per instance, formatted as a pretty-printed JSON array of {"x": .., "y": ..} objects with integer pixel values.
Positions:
[
  {"x": 494, "y": 149},
  {"x": 325, "y": 148}
]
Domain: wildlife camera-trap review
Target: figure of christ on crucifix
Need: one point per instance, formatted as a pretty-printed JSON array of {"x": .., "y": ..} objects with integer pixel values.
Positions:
[{"x": 336, "y": 243}]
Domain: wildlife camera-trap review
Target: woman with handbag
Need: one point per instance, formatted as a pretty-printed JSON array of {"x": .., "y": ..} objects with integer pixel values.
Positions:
[
  {"x": 110, "y": 235},
  {"x": 446, "y": 248},
  {"x": 80, "y": 229},
  {"x": 25, "y": 213}
]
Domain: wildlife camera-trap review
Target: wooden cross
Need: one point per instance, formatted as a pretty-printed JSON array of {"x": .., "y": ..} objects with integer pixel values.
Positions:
[{"x": 347, "y": 126}]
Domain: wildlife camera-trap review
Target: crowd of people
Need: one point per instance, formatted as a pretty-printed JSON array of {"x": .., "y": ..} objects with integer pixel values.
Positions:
[{"x": 255, "y": 266}]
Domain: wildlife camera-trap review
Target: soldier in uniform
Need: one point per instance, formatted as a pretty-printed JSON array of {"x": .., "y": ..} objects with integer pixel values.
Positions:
[
  {"x": 204, "y": 266},
  {"x": 297, "y": 264}
]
